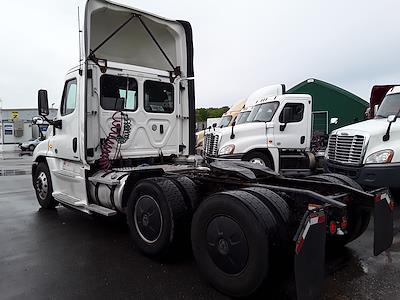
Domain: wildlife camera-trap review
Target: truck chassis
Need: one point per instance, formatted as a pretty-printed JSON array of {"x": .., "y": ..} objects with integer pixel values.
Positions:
[{"x": 242, "y": 218}]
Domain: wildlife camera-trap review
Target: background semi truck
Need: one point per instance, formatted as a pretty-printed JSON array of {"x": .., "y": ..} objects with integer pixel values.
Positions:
[
  {"x": 277, "y": 134},
  {"x": 123, "y": 143},
  {"x": 227, "y": 120},
  {"x": 369, "y": 152},
  {"x": 230, "y": 116}
]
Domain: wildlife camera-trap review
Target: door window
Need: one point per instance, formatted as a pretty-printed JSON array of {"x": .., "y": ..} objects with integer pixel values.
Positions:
[
  {"x": 118, "y": 93},
  {"x": 158, "y": 97},
  {"x": 69, "y": 97},
  {"x": 296, "y": 112}
]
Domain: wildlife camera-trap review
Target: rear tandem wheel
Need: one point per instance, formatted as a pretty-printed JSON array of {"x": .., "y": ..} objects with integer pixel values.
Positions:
[
  {"x": 231, "y": 236},
  {"x": 156, "y": 210}
]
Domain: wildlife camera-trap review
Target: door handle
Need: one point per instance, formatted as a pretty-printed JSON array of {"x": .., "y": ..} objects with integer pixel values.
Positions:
[
  {"x": 74, "y": 144},
  {"x": 161, "y": 128},
  {"x": 302, "y": 139}
]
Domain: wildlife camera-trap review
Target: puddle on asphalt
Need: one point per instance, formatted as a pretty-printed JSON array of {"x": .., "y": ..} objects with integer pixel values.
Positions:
[{"x": 14, "y": 172}]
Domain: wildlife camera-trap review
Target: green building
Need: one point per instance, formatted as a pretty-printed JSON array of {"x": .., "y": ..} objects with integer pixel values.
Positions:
[{"x": 330, "y": 101}]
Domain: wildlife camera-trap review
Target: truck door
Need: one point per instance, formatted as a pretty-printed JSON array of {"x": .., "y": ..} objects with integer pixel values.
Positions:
[
  {"x": 64, "y": 157},
  {"x": 295, "y": 133}
]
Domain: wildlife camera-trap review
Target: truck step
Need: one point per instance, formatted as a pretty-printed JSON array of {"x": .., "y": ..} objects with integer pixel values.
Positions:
[
  {"x": 67, "y": 199},
  {"x": 101, "y": 210},
  {"x": 82, "y": 206}
]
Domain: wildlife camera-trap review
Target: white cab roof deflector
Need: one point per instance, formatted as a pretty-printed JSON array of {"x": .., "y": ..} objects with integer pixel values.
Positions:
[{"x": 135, "y": 42}]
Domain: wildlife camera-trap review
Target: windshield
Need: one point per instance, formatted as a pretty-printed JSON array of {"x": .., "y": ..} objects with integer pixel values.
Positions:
[
  {"x": 242, "y": 117},
  {"x": 225, "y": 121},
  {"x": 390, "y": 106},
  {"x": 263, "y": 112}
]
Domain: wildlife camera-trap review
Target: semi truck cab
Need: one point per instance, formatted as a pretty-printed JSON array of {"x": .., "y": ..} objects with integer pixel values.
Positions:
[
  {"x": 369, "y": 151},
  {"x": 130, "y": 99}
]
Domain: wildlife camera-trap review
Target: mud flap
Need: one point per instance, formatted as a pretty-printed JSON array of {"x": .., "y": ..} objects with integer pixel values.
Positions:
[
  {"x": 383, "y": 222},
  {"x": 309, "y": 261}
]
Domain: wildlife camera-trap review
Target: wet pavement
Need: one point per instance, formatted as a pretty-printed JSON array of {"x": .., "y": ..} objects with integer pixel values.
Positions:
[{"x": 63, "y": 254}]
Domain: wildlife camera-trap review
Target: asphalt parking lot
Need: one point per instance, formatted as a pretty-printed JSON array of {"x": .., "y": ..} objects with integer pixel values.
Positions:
[{"x": 62, "y": 254}]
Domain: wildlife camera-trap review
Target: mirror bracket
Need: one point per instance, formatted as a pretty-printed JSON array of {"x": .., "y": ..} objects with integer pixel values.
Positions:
[
  {"x": 57, "y": 124},
  {"x": 282, "y": 127}
]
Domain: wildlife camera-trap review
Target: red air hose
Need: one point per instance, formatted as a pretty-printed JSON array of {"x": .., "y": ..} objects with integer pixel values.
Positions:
[{"x": 109, "y": 142}]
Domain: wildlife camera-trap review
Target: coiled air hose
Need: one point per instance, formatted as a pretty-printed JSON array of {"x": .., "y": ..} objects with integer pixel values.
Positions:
[{"x": 115, "y": 136}]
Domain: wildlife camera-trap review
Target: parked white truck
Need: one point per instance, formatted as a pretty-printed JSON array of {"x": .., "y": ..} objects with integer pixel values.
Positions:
[
  {"x": 369, "y": 151},
  {"x": 277, "y": 134},
  {"x": 123, "y": 142}
]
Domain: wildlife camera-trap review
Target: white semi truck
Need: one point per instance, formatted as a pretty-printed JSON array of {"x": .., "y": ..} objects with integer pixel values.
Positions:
[
  {"x": 277, "y": 134},
  {"x": 123, "y": 142},
  {"x": 369, "y": 151}
]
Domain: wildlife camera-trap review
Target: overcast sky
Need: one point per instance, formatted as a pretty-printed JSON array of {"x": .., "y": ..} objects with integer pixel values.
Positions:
[{"x": 240, "y": 46}]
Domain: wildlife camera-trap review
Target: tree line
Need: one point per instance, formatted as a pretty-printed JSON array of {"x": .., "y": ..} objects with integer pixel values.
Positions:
[{"x": 202, "y": 114}]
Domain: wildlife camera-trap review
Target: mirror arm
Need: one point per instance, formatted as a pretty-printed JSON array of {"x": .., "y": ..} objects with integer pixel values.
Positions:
[
  {"x": 282, "y": 127},
  {"x": 232, "y": 132},
  {"x": 56, "y": 123},
  {"x": 386, "y": 137}
]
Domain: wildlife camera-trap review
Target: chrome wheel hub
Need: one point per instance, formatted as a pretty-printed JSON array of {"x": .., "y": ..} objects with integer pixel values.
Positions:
[
  {"x": 258, "y": 161},
  {"x": 148, "y": 218},
  {"x": 42, "y": 185}
]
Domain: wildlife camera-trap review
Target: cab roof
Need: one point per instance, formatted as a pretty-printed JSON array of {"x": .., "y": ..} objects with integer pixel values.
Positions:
[{"x": 127, "y": 35}]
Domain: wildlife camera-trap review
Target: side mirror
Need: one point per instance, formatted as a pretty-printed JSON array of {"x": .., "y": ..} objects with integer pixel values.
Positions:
[
  {"x": 286, "y": 112},
  {"x": 334, "y": 121},
  {"x": 391, "y": 118},
  {"x": 43, "y": 103}
]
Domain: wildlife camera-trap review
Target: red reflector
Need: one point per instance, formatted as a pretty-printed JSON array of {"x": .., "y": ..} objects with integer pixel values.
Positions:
[
  {"x": 332, "y": 227},
  {"x": 299, "y": 245},
  {"x": 378, "y": 198},
  {"x": 343, "y": 225}
]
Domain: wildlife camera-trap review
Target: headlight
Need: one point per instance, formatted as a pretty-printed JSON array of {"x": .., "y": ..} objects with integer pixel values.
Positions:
[
  {"x": 227, "y": 149},
  {"x": 380, "y": 157}
]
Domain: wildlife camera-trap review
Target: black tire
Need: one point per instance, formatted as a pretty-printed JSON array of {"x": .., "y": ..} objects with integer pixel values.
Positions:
[
  {"x": 189, "y": 191},
  {"x": 155, "y": 211},
  {"x": 256, "y": 155},
  {"x": 31, "y": 147},
  {"x": 280, "y": 209},
  {"x": 325, "y": 178},
  {"x": 231, "y": 234},
  {"x": 44, "y": 187},
  {"x": 358, "y": 218},
  {"x": 347, "y": 180}
]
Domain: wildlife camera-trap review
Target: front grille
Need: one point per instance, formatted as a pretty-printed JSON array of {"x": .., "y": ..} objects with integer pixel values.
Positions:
[
  {"x": 346, "y": 149},
  {"x": 211, "y": 144}
]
